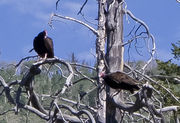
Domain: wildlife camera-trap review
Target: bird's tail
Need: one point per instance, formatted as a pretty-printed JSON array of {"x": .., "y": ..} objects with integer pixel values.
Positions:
[{"x": 31, "y": 50}]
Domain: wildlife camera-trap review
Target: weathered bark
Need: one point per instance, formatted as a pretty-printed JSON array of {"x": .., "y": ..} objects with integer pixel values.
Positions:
[
  {"x": 114, "y": 55},
  {"x": 114, "y": 28},
  {"x": 100, "y": 51}
]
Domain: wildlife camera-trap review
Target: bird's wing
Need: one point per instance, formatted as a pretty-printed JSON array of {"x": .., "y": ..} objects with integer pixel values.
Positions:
[
  {"x": 122, "y": 77},
  {"x": 49, "y": 44},
  {"x": 35, "y": 42}
]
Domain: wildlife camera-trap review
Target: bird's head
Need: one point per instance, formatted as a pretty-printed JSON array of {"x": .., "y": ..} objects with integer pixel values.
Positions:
[
  {"x": 45, "y": 31},
  {"x": 43, "y": 34},
  {"x": 102, "y": 74}
]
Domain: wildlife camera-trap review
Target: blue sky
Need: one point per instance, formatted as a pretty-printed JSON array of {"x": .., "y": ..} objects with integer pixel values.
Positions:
[{"x": 22, "y": 20}]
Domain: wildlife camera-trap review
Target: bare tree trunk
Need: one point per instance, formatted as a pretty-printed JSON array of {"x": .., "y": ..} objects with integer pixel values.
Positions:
[
  {"x": 100, "y": 51},
  {"x": 110, "y": 23},
  {"x": 114, "y": 55}
]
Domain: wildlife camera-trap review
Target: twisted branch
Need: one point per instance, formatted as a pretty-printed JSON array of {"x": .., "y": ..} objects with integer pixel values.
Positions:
[
  {"x": 150, "y": 37},
  {"x": 78, "y": 113}
]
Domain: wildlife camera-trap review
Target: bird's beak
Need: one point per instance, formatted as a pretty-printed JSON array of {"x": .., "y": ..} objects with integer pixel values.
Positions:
[{"x": 101, "y": 74}]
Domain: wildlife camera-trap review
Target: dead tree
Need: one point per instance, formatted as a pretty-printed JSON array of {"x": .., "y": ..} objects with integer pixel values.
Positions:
[
  {"x": 112, "y": 105},
  {"x": 115, "y": 53}
]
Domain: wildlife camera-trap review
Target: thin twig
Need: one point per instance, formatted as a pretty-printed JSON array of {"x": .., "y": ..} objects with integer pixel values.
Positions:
[
  {"x": 80, "y": 11},
  {"x": 13, "y": 109},
  {"x": 57, "y": 3},
  {"x": 85, "y": 66}
]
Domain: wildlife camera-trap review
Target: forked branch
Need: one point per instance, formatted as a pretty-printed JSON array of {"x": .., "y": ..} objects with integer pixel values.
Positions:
[{"x": 149, "y": 38}]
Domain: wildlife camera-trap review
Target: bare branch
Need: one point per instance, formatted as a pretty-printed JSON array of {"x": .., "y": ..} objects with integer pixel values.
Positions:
[
  {"x": 26, "y": 58},
  {"x": 57, "y": 3},
  {"x": 85, "y": 66},
  {"x": 7, "y": 90},
  {"x": 13, "y": 109},
  {"x": 70, "y": 102},
  {"x": 91, "y": 79},
  {"x": 137, "y": 20},
  {"x": 88, "y": 78},
  {"x": 153, "y": 81},
  {"x": 142, "y": 101},
  {"x": 87, "y": 92},
  {"x": 78, "y": 113},
  {"x": 80, "y": 11},
  {"x": 71, "y": 119},
  {"x": 139, "y": 103},
  {"x": 150, "y": 37},
  {"x": 60, "y": 70},
  {"x": 142, "y": 117},
  {"x": 152, "y": 52},
  {"x": 3, "y": 83},
  {"x": 169, "y": 108},
  {"x": 68, "y": 80},
  {"x": 167, "y": 90},
  {"x": 176, "y": 79},
  {"x": 35, "y": 111},
  {"x": 80, "y": 104},
  {"x": 59, "y": 111},
  {"x": 35, "y": 102},
  {"x": 56, "y": 60},
  {"x": 129, "y": 41},
  {"x": 74, "y": 20}
]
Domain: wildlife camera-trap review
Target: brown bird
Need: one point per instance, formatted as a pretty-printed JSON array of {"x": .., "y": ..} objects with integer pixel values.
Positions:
[
  {"x": 120, "y": 80},
  {"x": 43, "y": 45}
]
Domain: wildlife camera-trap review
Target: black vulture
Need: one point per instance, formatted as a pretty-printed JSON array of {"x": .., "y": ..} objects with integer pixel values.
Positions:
[
  {"x": 120, "y": 80},
  {"x": 43, "y": 45}
]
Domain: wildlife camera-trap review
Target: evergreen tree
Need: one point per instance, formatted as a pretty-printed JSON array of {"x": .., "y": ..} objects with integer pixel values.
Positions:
[{"x": 170, "y": 74}]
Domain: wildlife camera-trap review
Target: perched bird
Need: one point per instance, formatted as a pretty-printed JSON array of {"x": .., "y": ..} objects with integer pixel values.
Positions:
[
  {"x": 120, "y": 80},
  {"x": 43, "y": 45}
]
